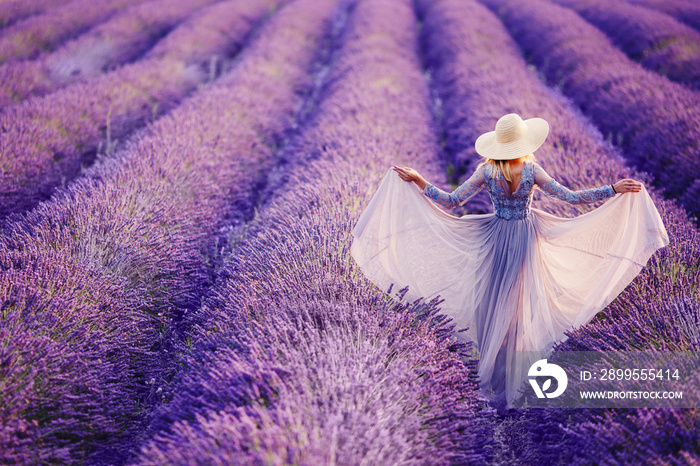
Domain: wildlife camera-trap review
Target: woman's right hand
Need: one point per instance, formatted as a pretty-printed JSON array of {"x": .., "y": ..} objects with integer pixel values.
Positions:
[
  {"x": 407, "y": 173},
  {"x": 627, "y": 185}
]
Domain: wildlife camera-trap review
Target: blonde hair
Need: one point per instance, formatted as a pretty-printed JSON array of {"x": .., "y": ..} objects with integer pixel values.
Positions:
[{"x": 503, "y": 166}]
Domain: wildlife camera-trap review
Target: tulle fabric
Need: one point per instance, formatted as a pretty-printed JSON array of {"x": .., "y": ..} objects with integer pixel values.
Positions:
[{"x": 516, "y": 284}]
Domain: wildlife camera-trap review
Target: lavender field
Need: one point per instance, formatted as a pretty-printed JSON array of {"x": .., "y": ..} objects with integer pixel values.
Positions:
[{"x": 179, "y": 180}]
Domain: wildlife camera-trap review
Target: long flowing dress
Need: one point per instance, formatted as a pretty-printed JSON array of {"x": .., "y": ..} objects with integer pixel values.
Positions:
[{"x": 517, "y": 278}]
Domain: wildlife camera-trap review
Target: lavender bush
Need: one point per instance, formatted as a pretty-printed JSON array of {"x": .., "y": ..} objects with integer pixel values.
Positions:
[
  {"x": 657, "y": 41},
  {"x": 46, "y": 144},
  {"x": 91, "y": 280},
  {"x": 296, "y": 357},
  {"x": 12, "y": 11},
  {"x": 42, "y": 33},
  {"x": 215, "y": 31},
  {"x": 111, "y": 44},
  {"x": 654, "y": 121},
  {"x": 475, "y": 87},
  {"x": 685, "y": 11}
]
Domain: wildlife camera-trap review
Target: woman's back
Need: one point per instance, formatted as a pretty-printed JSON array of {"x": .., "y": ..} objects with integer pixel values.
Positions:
[{"x": 507, "y": 204}]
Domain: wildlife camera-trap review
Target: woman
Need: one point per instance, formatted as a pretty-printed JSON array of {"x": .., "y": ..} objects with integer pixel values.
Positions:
[{"x": 519, "y": 277}]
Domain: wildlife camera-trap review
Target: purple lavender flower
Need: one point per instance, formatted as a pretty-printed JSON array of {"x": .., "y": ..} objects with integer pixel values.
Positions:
[
  {"x": 657, "y": 41},
  {"x": 85, "y": 277},
  {"x": 118, "y": 41},
  {"x": 12, "y": 11},
  {"x": 45, "y": 144},
  {"x": 686, "y": 11},
  {"x": 42, "y": 33}
]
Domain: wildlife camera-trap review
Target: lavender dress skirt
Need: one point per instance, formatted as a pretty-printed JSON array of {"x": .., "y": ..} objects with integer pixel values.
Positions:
[{"x": 517, "y": 284}]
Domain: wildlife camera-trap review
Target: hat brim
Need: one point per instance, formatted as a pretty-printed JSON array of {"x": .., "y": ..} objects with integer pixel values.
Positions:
[{"x": 532, "y": 138}]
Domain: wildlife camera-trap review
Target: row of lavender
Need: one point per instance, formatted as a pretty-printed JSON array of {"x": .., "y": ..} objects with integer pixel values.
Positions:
[
  {"x": 660, "y": 307},
  {"x": 297, "y": 358},
  {"x": 39, "y": 34},
  {"x": 656, "y": 40},
  {"x": 12, "y": 11},
  {"x": 120, "y": 40},
  {"x": 686, "y": 11},
  {"x": 92, "y": 280},
  {"x": 654, "y": 121},
  {"x": 47, "y": 140}
]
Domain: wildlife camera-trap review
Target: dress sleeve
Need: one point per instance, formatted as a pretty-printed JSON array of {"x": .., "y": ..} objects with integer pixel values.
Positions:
[
  {"x": 552, "y": 188},
  {"x": 460, "y": 195}
]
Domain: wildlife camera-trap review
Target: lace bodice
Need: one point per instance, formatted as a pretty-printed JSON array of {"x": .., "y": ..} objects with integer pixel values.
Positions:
[{"x": 514, "y": 205}]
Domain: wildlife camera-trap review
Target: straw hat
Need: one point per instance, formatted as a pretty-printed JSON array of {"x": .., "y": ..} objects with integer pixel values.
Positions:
[{"x": 513, "y": 138}]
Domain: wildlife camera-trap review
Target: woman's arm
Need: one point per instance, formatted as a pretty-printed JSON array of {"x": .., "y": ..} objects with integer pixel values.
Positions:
[
  {"x": 450, "y": 200},
  {"x": 552, "y": 188}
]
